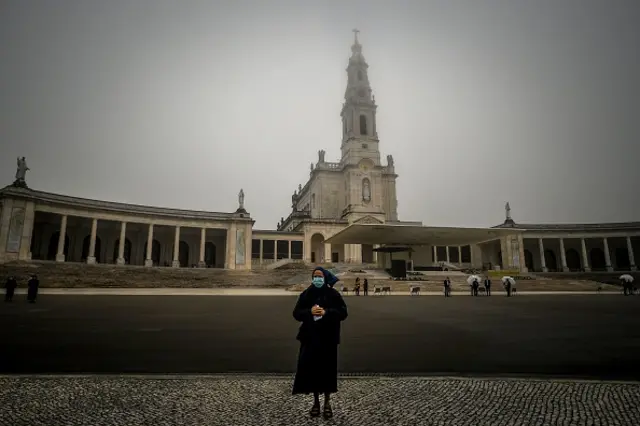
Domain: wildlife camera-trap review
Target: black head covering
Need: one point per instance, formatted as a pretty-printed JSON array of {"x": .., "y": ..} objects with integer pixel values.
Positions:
[{"x": 329, "y": 278}]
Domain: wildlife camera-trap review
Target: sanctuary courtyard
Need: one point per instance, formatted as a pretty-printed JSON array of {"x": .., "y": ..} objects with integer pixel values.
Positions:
[{"x": 346, "y": 212}]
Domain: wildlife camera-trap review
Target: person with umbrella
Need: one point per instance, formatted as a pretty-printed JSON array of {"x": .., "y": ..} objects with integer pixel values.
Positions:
[
  {"x": 627, "y": 284},
  {"x": 321, "y": 309},
  {"x": 508, "y": 282},
  {"x": 473, "y": 281}
]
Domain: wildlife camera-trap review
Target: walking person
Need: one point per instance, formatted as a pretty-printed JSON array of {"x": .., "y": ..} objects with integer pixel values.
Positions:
[
  {"x": 487, "y": 286},
  {"x": 32, "y": 292},
  {"x": 507, "y": 286},
  {"x": 474, "y": 287},
  {"x": 320, "y": 309},
  {"x": 357, "y": 286},
  {"x": 365, "y": 287},
  {"x": 447, "y": 287},
  {"x": 10, "y": 287}
]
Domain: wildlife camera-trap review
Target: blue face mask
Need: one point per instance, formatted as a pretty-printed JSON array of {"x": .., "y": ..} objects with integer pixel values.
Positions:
[{"x": 318, "y": 281}]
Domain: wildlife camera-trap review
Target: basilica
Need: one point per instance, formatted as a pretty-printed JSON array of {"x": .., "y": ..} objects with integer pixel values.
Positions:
[{"x": 345, "y": 213}]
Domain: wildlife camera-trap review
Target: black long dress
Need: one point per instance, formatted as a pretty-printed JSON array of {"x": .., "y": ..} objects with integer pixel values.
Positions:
[
  {"x": 318, "y": 357},
  {"x": 32, "y": 292},
  {"x": 10, "y": 285}
]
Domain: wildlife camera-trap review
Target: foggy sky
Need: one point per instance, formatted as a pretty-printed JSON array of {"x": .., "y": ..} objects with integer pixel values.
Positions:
[{"x": 182, "y": 103}]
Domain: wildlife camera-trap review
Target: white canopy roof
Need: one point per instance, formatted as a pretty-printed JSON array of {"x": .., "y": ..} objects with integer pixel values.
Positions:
[{"x": 416, "y": 235}]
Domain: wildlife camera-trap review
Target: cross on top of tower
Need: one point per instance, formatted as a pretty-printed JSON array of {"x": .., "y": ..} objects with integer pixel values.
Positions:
[{"x": 355, "y": 33}]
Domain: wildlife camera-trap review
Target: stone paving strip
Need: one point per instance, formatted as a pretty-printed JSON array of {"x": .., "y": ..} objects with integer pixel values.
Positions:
[
  {"x": 267, "y": 400},
  {"x": 261, "y": 292}
]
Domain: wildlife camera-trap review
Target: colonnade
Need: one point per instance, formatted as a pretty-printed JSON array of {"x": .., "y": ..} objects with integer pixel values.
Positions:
[
  {"x": 148, "y": 261},
  {"x": 585, "y": 257}
]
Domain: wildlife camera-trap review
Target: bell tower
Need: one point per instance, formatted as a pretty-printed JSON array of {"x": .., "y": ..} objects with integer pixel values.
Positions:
[{"x": 359, "y": 135}]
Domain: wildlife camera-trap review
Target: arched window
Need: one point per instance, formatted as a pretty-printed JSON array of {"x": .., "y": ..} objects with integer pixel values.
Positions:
[
  {"x": 360, "y": 76},
  {"x": 573, "y": 260},
  {"x": 183, "y": 255},
  {"x": 363, "y": 124},
  {"x": 528, "y": 260}
]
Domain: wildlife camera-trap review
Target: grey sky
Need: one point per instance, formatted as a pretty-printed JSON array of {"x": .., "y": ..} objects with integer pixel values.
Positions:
[{"x": 182, "y": 103}]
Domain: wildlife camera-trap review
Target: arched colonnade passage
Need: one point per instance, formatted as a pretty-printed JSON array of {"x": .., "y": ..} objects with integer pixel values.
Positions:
[
  {"x": 582, "y": 254},
  {"x": 98, "y": 241}
]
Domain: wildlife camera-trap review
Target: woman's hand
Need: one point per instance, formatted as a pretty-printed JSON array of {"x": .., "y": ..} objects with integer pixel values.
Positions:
[{"x": 317, "y": 311}]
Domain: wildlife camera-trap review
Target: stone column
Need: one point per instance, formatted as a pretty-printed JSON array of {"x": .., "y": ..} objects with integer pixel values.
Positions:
[
  {"x": 522, "y": 259},
  {"x": 435, "y": 255},
  {"x": 585, "y": 258},
  {"x": 607, "y": 255},
  {"x": 632, "y": 259},
  {"x": 543, "y": 261},
  {"x": 307, "y": 249},
  {"x": 91, "y": 256},
  {"x": 203, "y": 239},
  {"x": 448, "y": 259},
  {"x": 61, "y": 239},
  {"x": 289, "y": 249},
  {"x": 563, "y": 256},
  {"x": 261, "y": 249},
  {"x": 327, "y": 253},
  {"x": 459, "y": 255},
  {"x": 27, "y": 232},
  {"x": 248, "y": 238},
  {"x": 176, "y": 249},
  {"x": 230, "y": 257},
  {"x": 121, "y": 243},
  {"x": 149, "y": 260},
  {"x": 357, "y": 253}
]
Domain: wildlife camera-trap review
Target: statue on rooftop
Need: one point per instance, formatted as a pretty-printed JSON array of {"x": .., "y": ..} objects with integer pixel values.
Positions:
[
  {"x": 241, "y": 199},
  {"x": 22, "y": 169},
  {"x": 390, "y": 160},
  {"x": 321, "y": 156},
  {"x": 21, "y": 173},
  {"x": 507, "y": 210}
]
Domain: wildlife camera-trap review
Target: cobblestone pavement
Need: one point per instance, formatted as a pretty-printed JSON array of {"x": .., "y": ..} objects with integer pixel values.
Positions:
[{"x": 246, "y": 400}]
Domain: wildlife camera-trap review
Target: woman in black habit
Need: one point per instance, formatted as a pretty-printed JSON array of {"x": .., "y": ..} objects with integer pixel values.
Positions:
[
  {"x": 320, "y": 309},
  {"x": 32, "y": 292}
]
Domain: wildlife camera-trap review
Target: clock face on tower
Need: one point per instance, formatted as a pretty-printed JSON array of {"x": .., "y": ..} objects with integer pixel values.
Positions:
[{"x": 366, "y": 165}]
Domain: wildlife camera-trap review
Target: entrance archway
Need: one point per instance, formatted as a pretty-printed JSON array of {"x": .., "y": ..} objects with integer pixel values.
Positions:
[
  {"x": 85, "y": 248},
  {"x": 573, "y": 260},
  {"x": 622, "y": 258},
  {"x": 127, "y": 251},
  {"x": 53, "y": 246},
  {"x": 550, "y": 260},
  {"x": 597, "y": 259},
  {"x": 184, "y": 254},
  {"x": 210, "y": 254},
  {"x": 317, "y": 249},
  {"x": 528, "y": 260}
]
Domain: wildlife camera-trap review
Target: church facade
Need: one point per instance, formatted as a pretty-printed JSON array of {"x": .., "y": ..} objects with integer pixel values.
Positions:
[{"x": 358, "y": 189}]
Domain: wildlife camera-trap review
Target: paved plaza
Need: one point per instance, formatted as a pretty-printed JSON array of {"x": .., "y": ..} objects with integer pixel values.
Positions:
[
  {"x": 591, "y": 336},
  {"x": 267, "y": 401}
]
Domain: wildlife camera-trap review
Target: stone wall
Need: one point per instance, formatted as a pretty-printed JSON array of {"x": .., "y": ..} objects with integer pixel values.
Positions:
[{"x": 79, "y": 275}]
